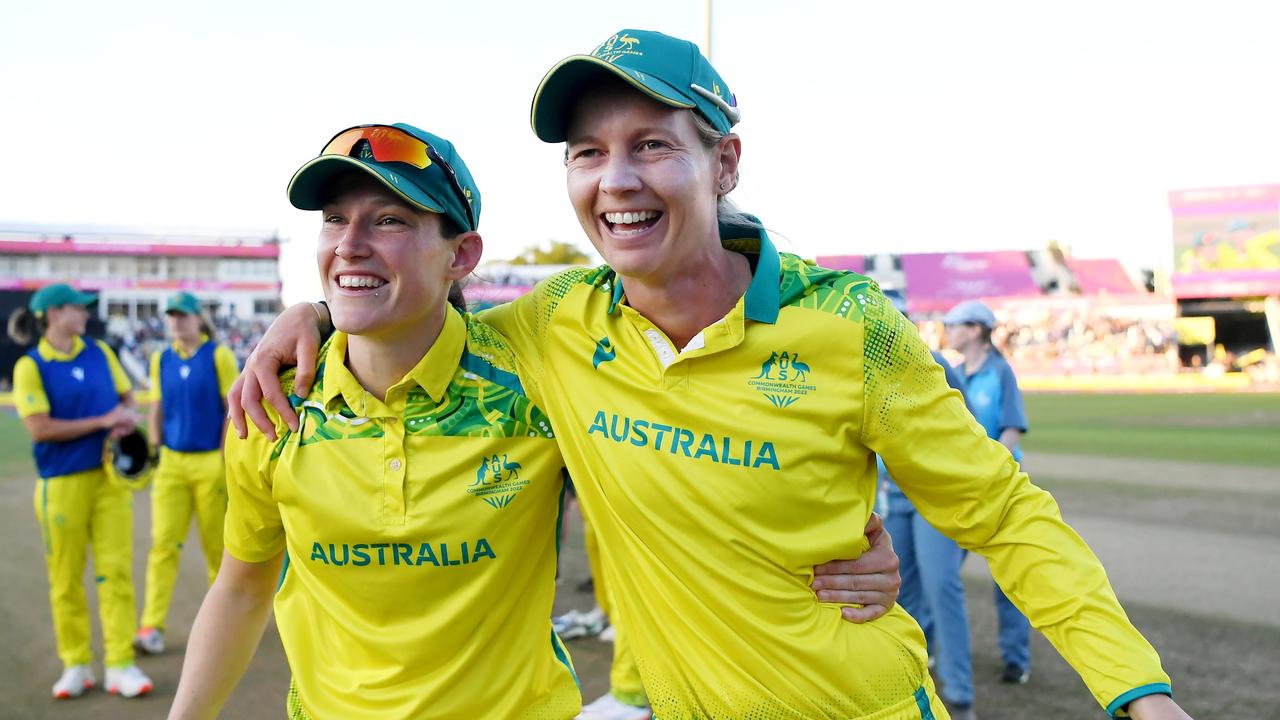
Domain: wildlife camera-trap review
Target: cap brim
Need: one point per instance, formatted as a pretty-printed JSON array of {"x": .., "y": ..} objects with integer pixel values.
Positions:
[
  {"x": 552, "y": 101},
  {"x": 308, "y": 188},
  {"x": 86, "y": 299}
]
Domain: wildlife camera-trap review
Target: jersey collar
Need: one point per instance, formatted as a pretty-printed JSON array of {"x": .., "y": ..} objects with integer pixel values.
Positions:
[
  {"x": 51, "y": 353},
  {"x": 763, "y": 295},
  {"x": 177, "y": 347},
  {"x": 432, "y": 373}
]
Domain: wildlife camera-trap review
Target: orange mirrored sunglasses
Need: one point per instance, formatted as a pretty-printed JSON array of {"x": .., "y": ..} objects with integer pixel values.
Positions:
[
  {"x": 390, "y": 144},
  {"x": 387, "y": 144}
]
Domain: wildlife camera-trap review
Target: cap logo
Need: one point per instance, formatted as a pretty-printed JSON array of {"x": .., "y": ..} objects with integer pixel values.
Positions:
[{"x": 618, "y": 46}]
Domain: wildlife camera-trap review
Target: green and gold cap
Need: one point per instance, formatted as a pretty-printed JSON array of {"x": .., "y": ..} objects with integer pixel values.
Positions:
[
  {"x": 667, "y": 69},
  {"x": 423, "y": 169},
  {"x": 57, "y": 295}
]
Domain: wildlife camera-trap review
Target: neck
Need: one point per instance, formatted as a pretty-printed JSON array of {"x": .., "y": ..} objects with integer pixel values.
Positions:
[
  {"x": 190, "y": 345},
  {"x": 61, "y": 340},
  {"x": 702, "y": 293},
  {"x": 975, "y": 355},
  {"x": 380, "y": 361}
]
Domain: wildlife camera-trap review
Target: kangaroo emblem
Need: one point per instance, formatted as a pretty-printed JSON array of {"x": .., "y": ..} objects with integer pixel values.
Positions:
[{"x": 766, "y": 368}]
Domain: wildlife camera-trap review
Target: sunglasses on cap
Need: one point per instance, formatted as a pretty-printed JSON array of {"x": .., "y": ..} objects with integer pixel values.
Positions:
[{"x": 391, "y": 144}]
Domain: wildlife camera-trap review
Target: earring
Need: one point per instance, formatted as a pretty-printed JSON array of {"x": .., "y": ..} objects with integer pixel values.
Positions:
[
  {"x": 335, "y": 250},
  {"x": 722, "y": 186}
]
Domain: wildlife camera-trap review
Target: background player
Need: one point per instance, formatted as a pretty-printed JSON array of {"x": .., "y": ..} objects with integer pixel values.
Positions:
[
  {"x": 992, "y": 393},
  {"x": 72, "y": 395},
  {"x": 190, "y": 380}
]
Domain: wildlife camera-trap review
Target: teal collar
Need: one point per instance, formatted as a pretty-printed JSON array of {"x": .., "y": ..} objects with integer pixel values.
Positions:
[{"x": 761, "y": 302}]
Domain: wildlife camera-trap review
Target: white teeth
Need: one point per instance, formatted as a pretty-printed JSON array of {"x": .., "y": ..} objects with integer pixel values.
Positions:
[
  {"x": 628, "y": 218},
  {"x": 360, "y": 281}
]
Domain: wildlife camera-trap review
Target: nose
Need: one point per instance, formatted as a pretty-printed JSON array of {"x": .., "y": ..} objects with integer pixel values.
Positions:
[
  {"x": 353, "y": 242},
  {"x": 619, "y": 175}
]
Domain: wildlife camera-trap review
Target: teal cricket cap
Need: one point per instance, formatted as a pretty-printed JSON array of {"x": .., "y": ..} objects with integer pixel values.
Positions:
[
  {"x": 57, "y": 295},
  {"x": 183, "y": 302},
  {"x": 667, "y": 69},
  {"x": 423, "y": 169}
]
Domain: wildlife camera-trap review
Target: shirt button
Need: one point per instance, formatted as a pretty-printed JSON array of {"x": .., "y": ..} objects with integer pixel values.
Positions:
[{"x": 395, "y": 465}]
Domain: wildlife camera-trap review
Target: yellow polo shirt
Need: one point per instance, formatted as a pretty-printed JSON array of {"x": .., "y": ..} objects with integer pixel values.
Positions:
[
  {"x": 29, "y": 396},
  {"x": 420, "y": 539},
  {"x": 716, "y": 476}
]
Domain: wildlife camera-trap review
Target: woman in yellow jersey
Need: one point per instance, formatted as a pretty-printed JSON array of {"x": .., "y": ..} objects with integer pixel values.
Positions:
[
  {"x": 706, "y": 390},
  {"x": 72, "y": 395},
  {"x": 190, "y": 380},
  {"x": 414, "y": 505}
]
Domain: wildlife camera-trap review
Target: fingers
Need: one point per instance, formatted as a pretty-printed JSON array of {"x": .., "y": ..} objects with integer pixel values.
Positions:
[
  {"x": 269, "y": 383},
  {"x": 863, "y": 614},
  {"x": 308, "y": 348},
  {"x": 863, "y": 582},
  {"x": 875, "y": 525},
  {"x": 235, "y": 410}
]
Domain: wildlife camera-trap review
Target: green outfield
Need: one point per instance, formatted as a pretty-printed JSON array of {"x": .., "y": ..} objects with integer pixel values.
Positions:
[{"x": 1232, "y": 429}]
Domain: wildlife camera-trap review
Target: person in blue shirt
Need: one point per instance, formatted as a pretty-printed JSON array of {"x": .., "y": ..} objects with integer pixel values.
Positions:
[
  {"x": 992, "y": 393},
  {"x": 189, "y": 380},
  {"x": 73, "y": 395},
  {"x": 932, "y": 591}
]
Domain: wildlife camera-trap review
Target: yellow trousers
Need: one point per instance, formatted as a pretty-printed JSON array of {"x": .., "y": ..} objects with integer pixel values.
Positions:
[
  {"x": 624, "y": 675},
  {"x": 75, "y": 511},
  {"x": 185, "y": 485}
]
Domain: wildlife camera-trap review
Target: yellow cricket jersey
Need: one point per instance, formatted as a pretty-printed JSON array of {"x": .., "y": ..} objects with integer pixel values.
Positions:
[
  {"x": 717, "y": 476},
  {"x": 29, "y": 397},
  {"x": 420, "y": 535}
]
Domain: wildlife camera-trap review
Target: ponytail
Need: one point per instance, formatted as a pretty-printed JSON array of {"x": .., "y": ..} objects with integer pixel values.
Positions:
[
  {"x": 25, "y": 326},
  {"x": 456, "y": 298}
]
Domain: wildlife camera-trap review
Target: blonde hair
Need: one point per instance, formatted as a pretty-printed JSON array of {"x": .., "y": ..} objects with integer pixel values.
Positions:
[{"x": 727, "y": 213}]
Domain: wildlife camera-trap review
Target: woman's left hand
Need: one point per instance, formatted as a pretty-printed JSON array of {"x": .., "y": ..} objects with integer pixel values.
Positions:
[{"x": 871, "y": 581}]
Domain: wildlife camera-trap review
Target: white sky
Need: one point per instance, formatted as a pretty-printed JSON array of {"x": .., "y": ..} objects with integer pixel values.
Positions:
[{"x": 868, "y": 126}]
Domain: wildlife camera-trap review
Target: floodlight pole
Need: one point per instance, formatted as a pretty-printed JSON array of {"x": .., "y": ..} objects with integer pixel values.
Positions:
[{"x": 708, "y": 45}]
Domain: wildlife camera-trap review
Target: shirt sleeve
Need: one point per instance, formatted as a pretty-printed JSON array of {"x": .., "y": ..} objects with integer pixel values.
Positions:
[
  {"x": 154, "y": 375},
  {"x": 525, "y": 321},
  {"x": 970, "y": 488},
  {"x": 1012, "y": 412},
  {"x": 28, "y": 388},
  {"x": 225, "y": 362},
  {"x": 253, "y": 530},
  {"x": 118, "y": 375}
]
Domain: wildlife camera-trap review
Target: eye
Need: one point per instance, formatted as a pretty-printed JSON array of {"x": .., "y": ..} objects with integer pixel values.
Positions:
[
  {"x": 653, "y": 145},
  {"x": 330, "y": 218},
  {"x": 584, "y": 153},
  {"x": 390, "y": 220}
]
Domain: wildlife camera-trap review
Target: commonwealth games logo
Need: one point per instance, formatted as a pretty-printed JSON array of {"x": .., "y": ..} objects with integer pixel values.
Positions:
[
  {"x": 497, "y": 481},
  {"x": 783, "y": 379}
]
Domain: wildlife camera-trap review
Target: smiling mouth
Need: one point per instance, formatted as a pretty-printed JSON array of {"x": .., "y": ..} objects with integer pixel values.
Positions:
[
  {"x": 631, "y": 222},
  {"x": 359, "y": 283}
]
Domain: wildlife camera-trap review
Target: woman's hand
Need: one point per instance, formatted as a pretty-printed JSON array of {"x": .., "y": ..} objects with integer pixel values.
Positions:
[
  {"x": 293, "y": 338},
  {"x": 871, "y": 581}
]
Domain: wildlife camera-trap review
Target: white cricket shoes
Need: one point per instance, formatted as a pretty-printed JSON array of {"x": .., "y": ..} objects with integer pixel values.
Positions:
[
  {"x": 128, "y": 682},
  {"x": 74, "y": 681}
]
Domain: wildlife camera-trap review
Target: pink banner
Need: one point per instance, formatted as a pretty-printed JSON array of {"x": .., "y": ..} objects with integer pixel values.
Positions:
[
  {"x": 97, "y": 284},
  {"x": 937, "y": 281},
  {"x": 1228, "y": 284},
  {"x": 852, "y": 263},
  {"x": 1095, "y": 277},
  {"x": 66, "y": 247},
  {"x": 493, "y": 294}
]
